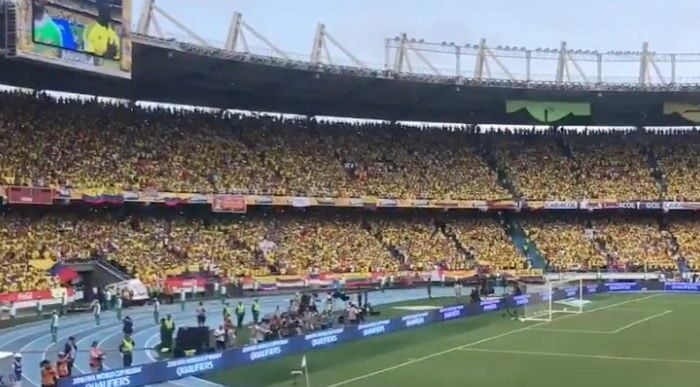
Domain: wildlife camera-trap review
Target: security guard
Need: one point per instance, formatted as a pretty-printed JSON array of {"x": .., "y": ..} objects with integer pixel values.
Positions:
[
  {"x": 168, "y": 330},
  {"x": 255, "y": 308},
  {"x": 227, "y": 310},
  {"x": 240, "y": 314},
  {"x": 127, "y": 350}
]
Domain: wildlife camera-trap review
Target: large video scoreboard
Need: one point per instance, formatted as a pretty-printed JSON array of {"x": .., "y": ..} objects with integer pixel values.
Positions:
[{"x": 89, "y": 35}]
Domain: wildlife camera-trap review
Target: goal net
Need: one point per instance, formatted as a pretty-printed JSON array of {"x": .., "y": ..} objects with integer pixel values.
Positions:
[{"x": 557, "y": 297}]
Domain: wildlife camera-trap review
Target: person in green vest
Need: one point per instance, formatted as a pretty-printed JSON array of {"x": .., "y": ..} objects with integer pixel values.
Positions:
[
  {"x": 118, "y": 307},
  {"x": 240, "y": 314},
  {"x": 127, "y": 350},
  {"x": 255, "y": 308},
  {"x": 167, "y": 330},
  {"x": 227, "y": 311}
]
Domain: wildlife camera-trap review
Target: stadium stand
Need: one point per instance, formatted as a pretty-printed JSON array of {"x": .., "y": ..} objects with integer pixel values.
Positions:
[
  {"x": 110, "y": 148},
  {"x": 564, "y": 244}
]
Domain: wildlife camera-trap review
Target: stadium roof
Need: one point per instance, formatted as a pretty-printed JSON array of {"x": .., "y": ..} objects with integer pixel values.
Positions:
[{"x": 166, "y": 71}]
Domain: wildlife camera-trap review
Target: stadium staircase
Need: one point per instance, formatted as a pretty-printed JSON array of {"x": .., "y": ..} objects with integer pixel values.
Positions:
[
  {"x": 376, "y": 232},
  {"x": 488, "y": 155},
  {"x": 602, "y": 248},
  {"x": 673, "y": 247},
  {"x": 566, "y": 149},
  {"x": 656, "y": 171},
  {"x": 447, "y": 232},
  {"x": 522, "y": 243}
]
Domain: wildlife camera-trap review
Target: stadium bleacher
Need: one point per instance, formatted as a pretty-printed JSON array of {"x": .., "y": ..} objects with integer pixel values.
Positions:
[{"x": 111, "y": 148}]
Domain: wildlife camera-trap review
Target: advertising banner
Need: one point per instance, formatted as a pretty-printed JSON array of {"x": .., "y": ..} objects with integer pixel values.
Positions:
[
  {"x": 30, "y": 195},
  {"x": 229, "y": 203},
  {"x": 174, "y": 369},
  {"x": 560, "y": 205}
]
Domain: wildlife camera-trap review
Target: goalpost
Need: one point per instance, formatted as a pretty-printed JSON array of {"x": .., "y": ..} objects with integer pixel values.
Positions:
[{"x": 557, "y": 297}]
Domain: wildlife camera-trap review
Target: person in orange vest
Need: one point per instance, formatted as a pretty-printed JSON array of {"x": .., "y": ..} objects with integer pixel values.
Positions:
[
  {"x": 61, "y": 365},
  {"x": 96, "y": 356},
  {"x": 48, "y": 374}
]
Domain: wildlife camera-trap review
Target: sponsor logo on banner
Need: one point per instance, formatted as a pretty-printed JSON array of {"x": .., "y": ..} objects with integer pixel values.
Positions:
[
  {"x": 683, "y": 286},
  {"x": 356, "y": 202},
  {"x": 478, "y": 204},
  {"x": 130, "y": 195},
  {"x": 193, "y": 365},
  {"x": 149, "y": 194},
  {"x": 649, "y": 205},
  {"x": 264, "y": 200},
  {"x": 682, "y": 206},
  {"x": 114, "y": 378},
  {"x": 560, "y": 205},
  {"x": 450, "y": 312},
  {"x": 620, "y": 286},
  {"x": 414, "y": 320},
  {"x": 627, "y": 205},
  {"x": 387, "y": 203},
  {"x": 489, "y": 305},
  {"x": 446, "y": 204},
  {"x": 321, "y": 339},
  {"x": 571, "y": 291},
  {"x": 373, "y": 328},
  {"x": 325, "y": 201},
  {"x": 301, "y": 201},
  {"x": 265, "y": 350},
  {"x": 523, "y": 299},
  {"x": 197, "y": 198},
  {"x": 420, "y": 203}
]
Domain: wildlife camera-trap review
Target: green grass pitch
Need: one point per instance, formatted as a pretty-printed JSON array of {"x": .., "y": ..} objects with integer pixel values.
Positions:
[{"x": 620, "y": 340}]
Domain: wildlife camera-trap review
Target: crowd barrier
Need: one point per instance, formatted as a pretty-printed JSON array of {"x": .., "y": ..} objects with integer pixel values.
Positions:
[{"x": 197, "y": 365}]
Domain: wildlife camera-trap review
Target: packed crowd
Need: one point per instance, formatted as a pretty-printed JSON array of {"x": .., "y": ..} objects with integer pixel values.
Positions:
[
  {"x": 485, "y": 241},
  {"x": 110, "y": 148},
  {"x": 615, "y": 243},
  {"x": 565, "y": 244},
  {"x": 117, "y": 147},
  {"x": 153, "y": 244}
]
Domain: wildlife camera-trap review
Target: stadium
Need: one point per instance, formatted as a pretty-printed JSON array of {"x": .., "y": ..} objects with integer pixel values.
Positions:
[{"x": 179, "y": 213}]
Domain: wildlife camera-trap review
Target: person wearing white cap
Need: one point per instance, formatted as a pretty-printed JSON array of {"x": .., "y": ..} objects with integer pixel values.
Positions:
[{"x": 17, "y": 371}]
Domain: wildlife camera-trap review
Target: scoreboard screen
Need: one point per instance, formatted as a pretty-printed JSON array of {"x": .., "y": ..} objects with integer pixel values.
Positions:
[{"x": 90, "y": 35}]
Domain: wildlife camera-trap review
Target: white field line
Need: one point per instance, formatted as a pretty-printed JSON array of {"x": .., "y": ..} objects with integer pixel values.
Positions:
[
  {"x": 571, "y": 331},
  {"x": 481, "y": 341},
  {"x": 630, "y": 325},
  {"x": 583, "y": 356}
]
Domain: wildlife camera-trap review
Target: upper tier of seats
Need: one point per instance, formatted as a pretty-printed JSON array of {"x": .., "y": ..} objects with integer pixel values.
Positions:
[{"x": 88, "y": 145}]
